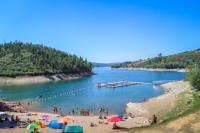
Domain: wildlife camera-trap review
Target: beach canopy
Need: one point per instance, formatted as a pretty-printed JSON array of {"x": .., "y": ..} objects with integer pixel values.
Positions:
[
  {"x": 72, "y": 129},
  {"x": 64, "y": 120},
  {"x": 115, "y": 119},
  {"x": 54, "y": 124},
  {"x": 7, "y": 124},
  {"x": 2, "y": 113},
  {"x": 32, "y": 126}
]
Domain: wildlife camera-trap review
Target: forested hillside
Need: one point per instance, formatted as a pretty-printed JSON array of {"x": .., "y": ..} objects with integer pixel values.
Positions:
[
  {"x": 18, "y": 58},
  {"x": 104, "y": 64},
  {"x": 180, "y": 60}
]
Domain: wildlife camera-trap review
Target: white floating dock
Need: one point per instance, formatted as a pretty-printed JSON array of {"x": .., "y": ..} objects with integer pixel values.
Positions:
[{"x": 118, "y": 84}]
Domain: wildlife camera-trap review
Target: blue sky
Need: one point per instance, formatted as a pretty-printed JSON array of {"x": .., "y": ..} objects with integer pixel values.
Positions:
[{"x": 104, "y": 30}]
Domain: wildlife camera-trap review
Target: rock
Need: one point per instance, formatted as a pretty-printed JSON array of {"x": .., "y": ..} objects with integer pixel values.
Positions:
[{"x": 11, "y": 106}]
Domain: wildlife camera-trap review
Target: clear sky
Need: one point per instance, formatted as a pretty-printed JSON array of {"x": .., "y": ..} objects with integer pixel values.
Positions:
[{"x": 104, "y": 30}]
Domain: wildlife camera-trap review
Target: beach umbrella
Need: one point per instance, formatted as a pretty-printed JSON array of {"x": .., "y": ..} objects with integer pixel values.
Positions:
[
  {"x": 64, "y": 120},
  {"x": 115, "y": 119},
  {"x": 72, "y": 129},
  {"x": 32, "y": 126}
]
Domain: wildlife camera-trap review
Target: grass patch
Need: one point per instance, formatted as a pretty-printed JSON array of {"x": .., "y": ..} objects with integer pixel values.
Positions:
[{"x": 183, "y": 108}]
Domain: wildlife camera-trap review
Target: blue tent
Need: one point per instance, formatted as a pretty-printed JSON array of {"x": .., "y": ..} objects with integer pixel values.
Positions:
[
  {"x": 54, "y": 124},
  {"x": 72, "y": 129},
  {"x": 7, "y": 124}
]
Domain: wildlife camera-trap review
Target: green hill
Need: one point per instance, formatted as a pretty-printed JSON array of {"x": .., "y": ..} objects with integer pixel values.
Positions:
[
  {"x": 18, "y": 58},
  {"x": 94, "y": 64},
  {"x": 180, "y": 60}
]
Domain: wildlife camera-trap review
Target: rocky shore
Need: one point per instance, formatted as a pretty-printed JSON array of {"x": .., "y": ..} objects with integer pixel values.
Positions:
[
  {"x": 11, "y": 106},
  {"x": 40, "y": 79}
]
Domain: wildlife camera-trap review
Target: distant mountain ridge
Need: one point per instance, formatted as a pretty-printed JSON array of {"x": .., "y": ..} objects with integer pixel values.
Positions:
[
  {"x": 175, "y": 61},
  {"x": 104, "y": 64}
]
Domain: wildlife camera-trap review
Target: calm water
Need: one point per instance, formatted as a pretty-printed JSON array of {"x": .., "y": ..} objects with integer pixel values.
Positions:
[{"x": 83, "y": 93}]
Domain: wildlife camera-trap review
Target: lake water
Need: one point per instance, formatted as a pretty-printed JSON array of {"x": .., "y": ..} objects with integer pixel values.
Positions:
[{"x": 83, "y": 93}]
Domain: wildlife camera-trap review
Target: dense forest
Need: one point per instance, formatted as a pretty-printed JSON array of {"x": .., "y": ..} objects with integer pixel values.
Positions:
[
  {"x": 180, "y": 60},
  {"x": 18, "y": 58}
]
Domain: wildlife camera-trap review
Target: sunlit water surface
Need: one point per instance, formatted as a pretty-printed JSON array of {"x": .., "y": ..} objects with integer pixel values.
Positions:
[{"x": 83, "y": 93}]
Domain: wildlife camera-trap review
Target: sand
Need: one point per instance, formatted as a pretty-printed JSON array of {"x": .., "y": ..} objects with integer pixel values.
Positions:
[
  {"x": 160, "y": 105},
  {"x": 39, "y": 79},
  {"x": 84, "y": 121}
]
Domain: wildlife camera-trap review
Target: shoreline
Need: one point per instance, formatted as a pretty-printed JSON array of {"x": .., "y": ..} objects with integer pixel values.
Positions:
[
  {"x": 23, "y": 80},
  {"x": 142, "y": 112},
  {"x": 152, "y": 69},
  {"x": 160, "y": 105},
  {"x": 174, "y": 87}
]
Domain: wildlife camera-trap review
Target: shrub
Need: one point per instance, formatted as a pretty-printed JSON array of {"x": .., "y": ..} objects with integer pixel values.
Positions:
[{"x": 193, "y": 76}]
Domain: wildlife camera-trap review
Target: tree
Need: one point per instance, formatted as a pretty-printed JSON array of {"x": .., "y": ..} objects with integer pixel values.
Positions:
[
  {"x": 193, "y": 76},
  {"x": 160, "y": 57},
  {"x": 18, "y": 58}
]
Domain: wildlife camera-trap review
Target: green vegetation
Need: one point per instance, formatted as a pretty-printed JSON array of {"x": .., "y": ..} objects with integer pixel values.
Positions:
[
  {"x": 187, "y": 103},
  {"x": 18, "y": 59},
  {"x": 193, "y": 76},
  {"x": 180, "y": 60}
]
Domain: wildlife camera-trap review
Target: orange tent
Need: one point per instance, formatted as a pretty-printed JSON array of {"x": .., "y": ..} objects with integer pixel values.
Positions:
[
  {"x": 64, "y": 120},
  {"x": 42, "y": 125}
]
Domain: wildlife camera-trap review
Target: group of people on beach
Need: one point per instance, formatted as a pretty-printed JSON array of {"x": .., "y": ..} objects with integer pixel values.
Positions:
[
  {"x": 102, "y": 117},
  {"x": 55, "y": 109},
  {"x": 9, "y": 121},
  {"x": 103, "y": 110},
  {"x": 29, "y": 103},
  {"x": 81, "y": 111}
]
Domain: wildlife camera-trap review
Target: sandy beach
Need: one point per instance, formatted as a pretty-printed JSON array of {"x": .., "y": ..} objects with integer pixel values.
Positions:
[
  {"x": 160, "y": 105},
  {"x": 85, "y": 121},
  {"x": 142, "y": 113}
]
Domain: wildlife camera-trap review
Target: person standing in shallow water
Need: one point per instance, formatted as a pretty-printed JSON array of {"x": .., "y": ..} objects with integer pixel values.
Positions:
[
  {"x": 55, "y": 109},
  {"x": 107, "y": 111}
]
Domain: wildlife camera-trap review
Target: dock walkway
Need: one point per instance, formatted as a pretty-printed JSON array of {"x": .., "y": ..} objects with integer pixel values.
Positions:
[{"x": 118, "y": 84}]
